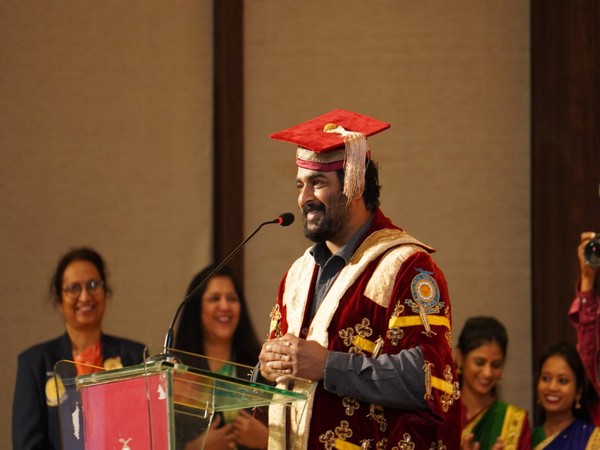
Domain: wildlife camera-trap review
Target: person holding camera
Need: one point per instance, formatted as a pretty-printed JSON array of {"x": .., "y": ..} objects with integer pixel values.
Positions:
[{"x": 584, "y": 314}]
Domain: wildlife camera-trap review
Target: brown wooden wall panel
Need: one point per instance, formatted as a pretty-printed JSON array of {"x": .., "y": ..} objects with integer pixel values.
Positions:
[
  {"x": 565, "y": 40},
  {"x": 228, "y": 204}
]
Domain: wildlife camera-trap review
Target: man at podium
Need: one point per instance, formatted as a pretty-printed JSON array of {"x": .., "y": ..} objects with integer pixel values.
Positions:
[{"x": 364, "y": 314}]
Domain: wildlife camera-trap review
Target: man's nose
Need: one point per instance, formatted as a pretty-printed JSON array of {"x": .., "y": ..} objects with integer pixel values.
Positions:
[{"x": 306, "y": 194}]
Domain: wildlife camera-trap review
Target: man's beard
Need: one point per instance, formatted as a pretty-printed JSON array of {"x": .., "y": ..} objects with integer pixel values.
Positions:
[{"x": 331, "y": 221}]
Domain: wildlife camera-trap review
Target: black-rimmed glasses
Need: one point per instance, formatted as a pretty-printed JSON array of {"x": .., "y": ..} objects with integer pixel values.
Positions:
[{"x": 93, "y": 287}]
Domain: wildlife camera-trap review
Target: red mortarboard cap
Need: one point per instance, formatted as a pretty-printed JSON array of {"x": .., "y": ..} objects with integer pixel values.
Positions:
[
  {"x": 335, "y": 140},
  {"x": 310, "y": 134}
]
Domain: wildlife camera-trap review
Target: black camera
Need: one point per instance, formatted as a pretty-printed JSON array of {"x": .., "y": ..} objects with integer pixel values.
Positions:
[{"x": 592, "y": 251}]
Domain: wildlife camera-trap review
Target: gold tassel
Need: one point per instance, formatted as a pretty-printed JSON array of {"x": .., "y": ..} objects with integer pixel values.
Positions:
[{"x": 355, "y": 157}]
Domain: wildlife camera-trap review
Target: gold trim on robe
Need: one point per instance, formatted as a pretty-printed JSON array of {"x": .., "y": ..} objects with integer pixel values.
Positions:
[{"x": 297, "y": 285}]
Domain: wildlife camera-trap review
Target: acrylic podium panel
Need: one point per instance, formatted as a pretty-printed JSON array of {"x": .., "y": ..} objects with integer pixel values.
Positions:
[{"x": 158, "y": 405}]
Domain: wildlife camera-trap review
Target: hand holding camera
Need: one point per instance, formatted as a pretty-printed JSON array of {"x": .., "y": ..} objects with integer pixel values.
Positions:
[{"x": 591, "y": 251}]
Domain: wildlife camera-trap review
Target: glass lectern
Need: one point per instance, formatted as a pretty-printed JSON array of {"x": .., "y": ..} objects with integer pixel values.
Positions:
[{"x": 162, "y": 404}]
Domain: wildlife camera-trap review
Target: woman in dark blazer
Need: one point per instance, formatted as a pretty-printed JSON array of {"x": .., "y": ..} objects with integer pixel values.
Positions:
[{"x": 79, "y": 289}]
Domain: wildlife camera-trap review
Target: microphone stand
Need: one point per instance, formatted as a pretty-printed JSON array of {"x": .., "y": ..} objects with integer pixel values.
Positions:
[{"x": 284, "y": 219}]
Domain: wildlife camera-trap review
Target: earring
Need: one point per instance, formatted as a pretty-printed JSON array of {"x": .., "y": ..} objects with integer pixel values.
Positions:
[
  {"x": 577, "y": 404},
  {"x": 459, "y": 370}
]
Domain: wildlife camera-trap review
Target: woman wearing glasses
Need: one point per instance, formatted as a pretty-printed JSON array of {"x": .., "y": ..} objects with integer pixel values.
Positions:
[{"x": 79, "y": 289}]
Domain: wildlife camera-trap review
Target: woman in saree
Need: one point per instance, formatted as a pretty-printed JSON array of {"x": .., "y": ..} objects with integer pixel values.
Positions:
[
  {"x": 489, "y": 423},
  {"x": 561, "y": 393}
]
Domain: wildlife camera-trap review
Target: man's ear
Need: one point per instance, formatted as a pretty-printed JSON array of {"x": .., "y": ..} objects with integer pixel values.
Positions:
[{"x": 357, "y": 200}]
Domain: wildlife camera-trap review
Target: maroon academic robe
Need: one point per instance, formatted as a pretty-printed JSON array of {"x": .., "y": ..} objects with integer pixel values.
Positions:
[{"x": 390, "y": 296}]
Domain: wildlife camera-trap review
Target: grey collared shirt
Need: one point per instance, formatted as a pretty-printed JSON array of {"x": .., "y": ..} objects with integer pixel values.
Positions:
[
  {"x": 330, "y": 265},
  {"x": 395, "y": 381}
]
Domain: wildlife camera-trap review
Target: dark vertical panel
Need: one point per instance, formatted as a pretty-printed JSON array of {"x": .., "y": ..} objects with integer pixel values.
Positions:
[
  {"x": 565, "y": 43},
  {"x": 228, "y": 209}
]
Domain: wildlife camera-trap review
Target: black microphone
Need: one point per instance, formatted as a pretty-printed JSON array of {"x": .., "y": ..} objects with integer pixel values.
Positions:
[{"x": 284, "y": 220}]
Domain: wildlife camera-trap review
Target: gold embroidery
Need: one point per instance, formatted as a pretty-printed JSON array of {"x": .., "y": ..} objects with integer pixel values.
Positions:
[
  {"x": 359, "y": 342},
  {"x": 376, "y": 413},
  {"x": 328, "y": 439},
  {"x": 511, "y": 428},
  {"x": 398, "y": 309},
  {"x": 439, "y": 446},
  {"x": 448, "y": 336},
  {"x": 343, "y": 431},
  {"x": 275, "y": 316},
  {"x": 405, "y": 444},
  {"x": 347, "y": 336},
  {"x": 428, "y": 331},
  {"x": 382, "y": 444},
  {"x": 378, "y": 347},
  {"x": 427, "y": 369},
  {"x": 363, "y": 329},
  {"x": 594, "y": 440},
  {"x": 332, "y": 440},
  {"x": 350, "y": 405},
  {"x": 448, "y": 333},
  {"x": 451, "y": 391},
  {"x": 395, "y": 333},
  {"x": 448, "y": 400}
]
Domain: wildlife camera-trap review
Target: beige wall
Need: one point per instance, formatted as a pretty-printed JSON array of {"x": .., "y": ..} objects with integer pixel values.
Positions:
[
  {"x": 106, "y": 131},
  {"x": 453, "y": 79},
  {"x": 105, "y": 140}
]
